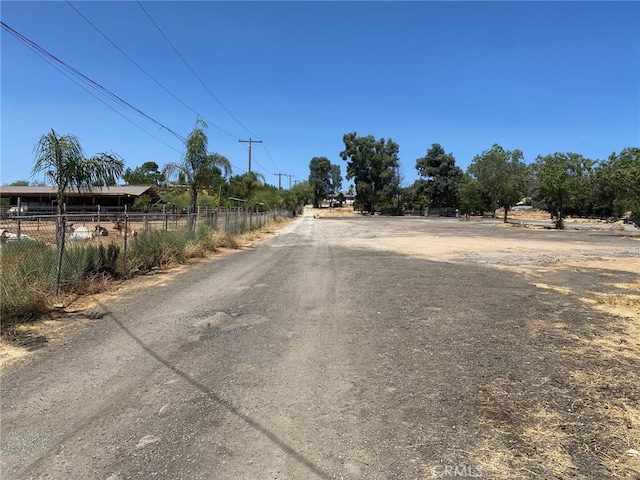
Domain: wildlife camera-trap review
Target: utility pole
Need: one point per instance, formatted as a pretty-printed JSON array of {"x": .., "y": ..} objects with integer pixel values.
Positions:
[
  {"x": 279, "y": 175},
  {"x": 250, "y": 141},
  {"x": 290, "y": 180}
]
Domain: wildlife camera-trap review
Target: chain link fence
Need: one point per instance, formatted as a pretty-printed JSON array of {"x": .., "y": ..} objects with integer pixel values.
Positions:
[{"x": 41, "y": 255}]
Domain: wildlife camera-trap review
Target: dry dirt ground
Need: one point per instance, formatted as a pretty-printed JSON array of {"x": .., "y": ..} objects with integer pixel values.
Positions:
[
  {"x": 602, "y": 359},
  {"x": 570, "y": 409}
]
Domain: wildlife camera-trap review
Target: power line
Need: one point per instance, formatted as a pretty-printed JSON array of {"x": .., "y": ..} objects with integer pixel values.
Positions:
[
  {"x": 106, "y": 104},
  {"x": 86, "y": 79},
  {"x": 280, "y": 175},
  {"x": 269, "y": 155},
  {"x": 202, "y": 82},
  {"x": 250, "y": 141},
  {"x": 192, "y": 70},
  {"x": 290, "y": 180},
  {"x": 145, "y": 72}
]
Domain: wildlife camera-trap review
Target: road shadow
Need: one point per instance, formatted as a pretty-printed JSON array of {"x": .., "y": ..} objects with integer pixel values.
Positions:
[{"x": 281, "y": 444}]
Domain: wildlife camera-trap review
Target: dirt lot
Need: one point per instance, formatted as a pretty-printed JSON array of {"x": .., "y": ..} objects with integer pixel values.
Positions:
[
  {"x": 505, "y": 352},
  {"x": 601, "y": 403}
]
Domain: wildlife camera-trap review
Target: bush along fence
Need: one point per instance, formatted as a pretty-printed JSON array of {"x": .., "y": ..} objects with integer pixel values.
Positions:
[{"x": 41, "y": 255}]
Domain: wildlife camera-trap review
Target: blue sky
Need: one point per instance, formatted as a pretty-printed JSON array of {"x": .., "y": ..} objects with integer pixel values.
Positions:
[{"x": 542, "y": 77}]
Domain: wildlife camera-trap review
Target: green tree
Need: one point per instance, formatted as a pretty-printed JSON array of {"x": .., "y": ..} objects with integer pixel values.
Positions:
[
  {"x": 336, "y": 180},
  {"x": 246, "y": 186},
  {"x": 146, "y": 174},
  {"x": 320, "y": 179},
  {"x": 625, "y": 174},
  {"x": 502, "y": 175},
  {"x": 416, "y": 195},
  {"x": 562, "y": 181},
  {"x": 472, "y": 196},
  {"x": 604, "y": 190},
  {"x": 65, "y": 167},
  {"x": 442, "y": 175},
  {"x": 197, "y": 164},
  {"x": 373, "y": 164},
  {"x": 303, "y": 193},
  {"x": 143, "y": 202},
  {"x": 19, "y": 183}
]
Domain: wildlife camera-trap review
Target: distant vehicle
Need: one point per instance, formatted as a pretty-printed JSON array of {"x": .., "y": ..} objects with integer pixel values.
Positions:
[{"x": 13, "y": 211}]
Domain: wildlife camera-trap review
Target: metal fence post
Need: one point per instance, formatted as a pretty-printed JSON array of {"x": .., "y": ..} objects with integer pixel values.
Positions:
[
  {"x": 62, "y": 223},
  {"x": 165, "y": 218},
  {"x": 19, "y": 220},
  {"x": 124, "y": 234}
]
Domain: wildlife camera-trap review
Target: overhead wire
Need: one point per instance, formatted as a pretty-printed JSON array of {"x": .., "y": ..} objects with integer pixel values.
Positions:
[
  {"x": 269, "y": 155},
  {"x": 147, "y": 73},
  {"x": 192, "y": 70},
  {"x": 202, "y": 82},
  {"x": 57, "y": 64}
]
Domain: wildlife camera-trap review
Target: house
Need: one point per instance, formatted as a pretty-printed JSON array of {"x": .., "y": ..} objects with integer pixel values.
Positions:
[{"x": 43, "y": 200}]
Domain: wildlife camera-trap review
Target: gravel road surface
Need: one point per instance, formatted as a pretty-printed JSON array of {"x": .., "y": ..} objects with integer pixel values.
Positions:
[{"x": 320, "y": 353}]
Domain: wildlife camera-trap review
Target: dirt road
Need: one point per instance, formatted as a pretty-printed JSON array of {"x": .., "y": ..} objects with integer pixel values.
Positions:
[{"x": 352, "y": 348}]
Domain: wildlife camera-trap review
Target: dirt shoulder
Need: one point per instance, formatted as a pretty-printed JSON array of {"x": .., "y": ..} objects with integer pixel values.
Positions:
[{"x": 66, "y": 317}]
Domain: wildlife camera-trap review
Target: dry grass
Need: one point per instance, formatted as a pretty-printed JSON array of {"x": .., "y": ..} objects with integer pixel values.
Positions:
[
  {"x": 562, "y": 290},
  {"x": 246, "y": 238},
  {"x": 591, "y": 416}
]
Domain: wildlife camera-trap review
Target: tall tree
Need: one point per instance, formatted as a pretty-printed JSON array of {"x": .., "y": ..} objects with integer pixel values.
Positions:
[
  {"x": 197, "y": 163},
  {"x": 373, "y": 164},
  {"x": 472, "y": 196},
  {"x": 248, "y": 185},
  {"x": 336, "y": 179},
  {"x": 64, "y": 165},
  {"x": 625, "y": 172},
  {"x": 502, "y": 175},
  {"x": 416, "y": 196},
  {"x": 562, "y": 181},
  {"x": 146, "y": 174},
  {"x": 442, "y": 174},
  {"x": 320, "y": 179}
]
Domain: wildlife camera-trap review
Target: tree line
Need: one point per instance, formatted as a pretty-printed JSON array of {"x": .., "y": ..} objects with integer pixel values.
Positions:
[
  {"x": 201, "y": 178},
  {"x": 560, "y": 183}
]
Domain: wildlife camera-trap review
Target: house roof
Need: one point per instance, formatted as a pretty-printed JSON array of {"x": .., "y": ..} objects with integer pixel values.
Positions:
[{"x": 129, "y": 190}]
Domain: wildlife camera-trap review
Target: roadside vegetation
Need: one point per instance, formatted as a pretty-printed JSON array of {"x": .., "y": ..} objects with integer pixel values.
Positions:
[
  {"x": 32, "y": 270},
  {"x": 26, "y": 286}
]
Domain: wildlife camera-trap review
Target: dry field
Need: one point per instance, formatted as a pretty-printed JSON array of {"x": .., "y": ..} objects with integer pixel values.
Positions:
[{"x": 598, "y": 395}]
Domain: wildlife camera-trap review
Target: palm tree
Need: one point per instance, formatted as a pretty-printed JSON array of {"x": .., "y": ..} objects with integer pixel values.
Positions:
[
  {"x": 63, "y": 163},
  {"x": 198, "y": 163},
  {"x": 249, "y": 184}
]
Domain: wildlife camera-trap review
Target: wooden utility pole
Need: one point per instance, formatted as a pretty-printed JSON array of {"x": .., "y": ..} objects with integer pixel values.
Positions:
[
  {"x": 290, "y": 180},
  {"x": 279, "y": 175},
  {"x": 250, "y": 141}
]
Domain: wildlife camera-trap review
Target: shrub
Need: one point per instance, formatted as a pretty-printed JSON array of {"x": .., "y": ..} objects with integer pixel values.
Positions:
[
  {"x": 158, "y": 249},
  {"x": 27, "y": 278},
  {"x": 81, "y": 262}
]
